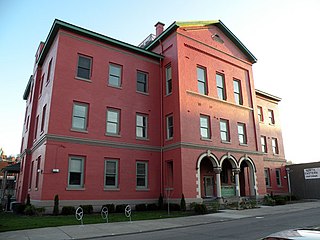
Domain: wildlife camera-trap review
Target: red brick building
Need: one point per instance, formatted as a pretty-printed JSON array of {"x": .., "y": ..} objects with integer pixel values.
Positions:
[{"x": 107, "y": 121}]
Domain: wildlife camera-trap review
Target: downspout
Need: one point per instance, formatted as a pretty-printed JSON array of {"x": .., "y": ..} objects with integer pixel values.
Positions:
[{"x": 161, "y": 123}]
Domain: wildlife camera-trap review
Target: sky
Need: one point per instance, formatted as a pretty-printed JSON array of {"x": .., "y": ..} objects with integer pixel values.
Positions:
[{"x": 282, "y": 34}]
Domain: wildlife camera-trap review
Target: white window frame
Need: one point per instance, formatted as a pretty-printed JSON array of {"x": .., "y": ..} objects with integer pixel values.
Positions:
[
  {"x": 115, "y": 174},
  {"x": 205, "y": 132},
  {"x": 225, "y": 131},
  {"x": 168, "y": 80},
  {"x": 81, "y": 159},
  {"x": 87, "y": 69},
  {"x": 260, "y": 113},
  {"x": 278, "y": 177},
  {"x": 237, "y": 92},
  {"x": 202, "y": 83},
  {"x": 109, "y": 121},
  {"x": 142, "y": 175},
  {"x": 242, "y": 133},
  {"x": 221, "y": 88},
  {"x": 264, "y": 147},
  {"x": 275, "y": 146},
  {"x": 118, "y": 77},
  {"x": 143, "y": 126},
  {"x": 267, "y": 177},
  {"x": 84, "y": 117},
  {"x": 170, "y": 129},
  {"x": 146, "y": 85},
  {"x": 271, "y": 117}
]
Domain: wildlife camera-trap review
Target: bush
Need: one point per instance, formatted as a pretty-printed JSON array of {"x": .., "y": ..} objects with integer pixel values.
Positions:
[
  {"x": 30, "y": 210},
  {"x": 87, "y": 209},
  {"x": 141, "y": 207},
  {"x": 200, "y": 208},
  {"x": 28, "y": 200},
  {"x": 160, "y": 202},
  {"x": 269, "y": 201},
  {"x": 56, "y": 205},
  {"x": 152, "y": 207},
  {"x": 173, "y": 207},
  {"x": 18, "y": 208},
  {"x": 40, "y": 211},
  {"x": 68, "y": 210},
  {"x": 120, "y": 208},
  {"x": 215, "y": 207},
  {"x": 183, "y": 204},
  {"x": 110, "y": 207},
  {"x": 280, "y": 200}
]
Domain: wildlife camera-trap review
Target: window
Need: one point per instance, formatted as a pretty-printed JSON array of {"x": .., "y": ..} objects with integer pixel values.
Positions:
[
  {"x": 80, "y": 116},
  {"x": 205, "y": 127},
  {"x": 115, "y": 75},
  {"x": 260, "y": 114},
  {"x": 113, "y": 120},
  {"x": 202, "y": 80},
  {"x": 141, "y": 126},
  {"x": 275, "y": 148},
  {"x": 43, "y": 120},
  {"x": 111, "y": 173},
  {"x": 84, "y": 67},
  {"x": 224, "y": 130},
  {"x": 237, "y": 92},
  {"x": 169, "y": 121},
  {"x": 168, "y": 80},
  {"x": 264, "y": 144},
  {"x": 221, "y": 87},
  {"x": 278, "y": 176},
  {"x": 31, "y": 174},
  {"x": 142, "y": 82},
  {"x": 36, "y": 128},
  {"x": 142, "y": 174},
  {"x": 267, "y": 177},
  {"x": 271, "y": 117},
  {"x": 75, "y": 175},
  {"x": 41, "y": 85},
  {"x": 49, "y": 71},
  {"x": 27, "y": 124},
  {"x": 38, "y": 172},
  {"x": 242, "y": 133}
]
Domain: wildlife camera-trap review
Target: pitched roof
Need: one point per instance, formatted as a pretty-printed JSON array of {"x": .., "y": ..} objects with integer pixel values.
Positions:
[
  {"x": 58, "y": 24},
  {"x": 216, "y": 23}
]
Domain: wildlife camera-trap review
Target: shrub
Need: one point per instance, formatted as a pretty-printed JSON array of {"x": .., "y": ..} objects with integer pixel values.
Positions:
[
  {"x": 253, "y": 203},
  {"x": 120, "y": 208},
  {"x": 183, "y": 203},
  {"x": 269, "y": 201},
  {"x": 40, "y": 211},
  {"x": 56, "y": 205},
  {"x": 173, "y": 206},
  {"x": 280, "y": 200},
  {"x": 110, "y": 207},
  {"x": 141, "y": 207},
  {"x": 18, "y": 208},
  {"x": 160, "y": 202},
  {"x": 200, "y": 208},
  {"x": 152, "y": 207},
  {"x": 28, "y": 200},
  {"x": 68, "y": 210},
  {"x": 215, "y": 207},
  {"x": 30, "y": 210},
  {"x": 87, "y": 209}
]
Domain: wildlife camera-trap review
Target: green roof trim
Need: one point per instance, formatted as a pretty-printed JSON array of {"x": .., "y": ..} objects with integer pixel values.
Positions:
[
  {"x": 217, "y": 23},
  {"x": 58, "y": 24},
  {"x": 28, "y": 88}
]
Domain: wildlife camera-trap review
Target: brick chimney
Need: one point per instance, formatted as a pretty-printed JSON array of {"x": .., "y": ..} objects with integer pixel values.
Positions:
[{"x": 159, "y": 28}]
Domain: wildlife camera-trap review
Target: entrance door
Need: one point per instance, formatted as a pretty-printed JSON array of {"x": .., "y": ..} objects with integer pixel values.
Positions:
[{"x": 208, "y": 186}]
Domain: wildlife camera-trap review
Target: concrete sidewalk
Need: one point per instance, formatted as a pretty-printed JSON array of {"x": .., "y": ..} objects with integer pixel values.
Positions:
[{"x": 123, "y": 228}]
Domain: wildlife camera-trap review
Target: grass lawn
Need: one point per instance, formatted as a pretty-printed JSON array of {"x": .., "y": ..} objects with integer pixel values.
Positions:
[{"x": 12, "y": 222}]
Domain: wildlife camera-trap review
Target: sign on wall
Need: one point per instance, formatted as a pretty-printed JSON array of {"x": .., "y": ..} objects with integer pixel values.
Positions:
[{"x": 311, "y": 173}]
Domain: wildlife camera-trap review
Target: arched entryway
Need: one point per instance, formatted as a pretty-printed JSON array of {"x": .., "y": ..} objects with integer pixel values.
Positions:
[
  {"x": 247, "y": 177},
  {"x": 206, "y": 176},
  {"x": 229, "y": 169}
]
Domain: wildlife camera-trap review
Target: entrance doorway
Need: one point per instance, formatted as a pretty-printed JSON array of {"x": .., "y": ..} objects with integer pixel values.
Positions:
[{"x": 208, "y": 186}]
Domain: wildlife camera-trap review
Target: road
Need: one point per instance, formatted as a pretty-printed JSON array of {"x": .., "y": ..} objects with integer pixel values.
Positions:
[{"x": 246, "y": 228}]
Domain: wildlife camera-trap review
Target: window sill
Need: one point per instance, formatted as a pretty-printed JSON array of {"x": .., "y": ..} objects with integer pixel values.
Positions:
[
  {"x": 276, "y": 154},
  {"x": 112, "y": 135},
  {"x": 243, "y": 144},
  {"x": 226, "y": 142},
  {"x": 142, "y": 139},
  {"x": 169, "y": 139},
  {"x": 142, "y": 189},
  {"x": 111, "y": 189},
  {"x": 206, "y": 139},
  {"x": 75, "y": 188},
  {"x": 143, "y": 93},
  {"x": 113, "y": 86},
  {"x": 83, "y": 79},
  {"x": 271, "y": 124},
  {"x": 78, "y": 130},
  {"x": 169, "y": 94}
]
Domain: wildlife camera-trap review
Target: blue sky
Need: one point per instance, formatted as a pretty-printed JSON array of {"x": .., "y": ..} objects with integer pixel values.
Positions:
[{"x": 282, "y": 34}]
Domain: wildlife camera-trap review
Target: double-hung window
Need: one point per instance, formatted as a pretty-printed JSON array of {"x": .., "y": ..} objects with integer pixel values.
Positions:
[
  {"x": 242, "y": 133},
  {"x": 142, "y": 82},
  {"x": 141, "y": 126},
  {"x": 267, "y": 177},
  {"x": 111, "y": 173},
  {"x": 169, "y": 122},
  {"x": 84, "y": 67},
  {"x": 115, "y": 72},
  {"x": 221, "y": 87},
  {"x": 113, "y": 121},
  {"x": 260, "y": 114},
  {"x": 264, "y": 144},
  {"x": 271, "y": 117},
  {"x": 141, "y": 175},
  {"x": 205, "y": 127},
  {"x": 43, "y": 120},
  {"x": 80, "y": 116},
  {"x": 224, "y": 130},
  {"x": 278, "y": 176},
  {"x": 202, "y": 80},
  {"x": 275, "y": 148},
  {"x": 76, "y": 172},
  {"x": 49, "y": 71},
  {"x": 168, "y": 80},
  {"x": 237, "y": 92}
]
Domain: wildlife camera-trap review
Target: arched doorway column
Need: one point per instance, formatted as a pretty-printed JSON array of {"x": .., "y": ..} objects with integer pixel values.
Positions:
[
  {"x": 237, "y": 181},
  {"x": 218, "y": 181}
]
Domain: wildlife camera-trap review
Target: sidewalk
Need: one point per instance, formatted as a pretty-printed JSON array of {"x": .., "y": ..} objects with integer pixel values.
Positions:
[{"x": 122, "y": 228}]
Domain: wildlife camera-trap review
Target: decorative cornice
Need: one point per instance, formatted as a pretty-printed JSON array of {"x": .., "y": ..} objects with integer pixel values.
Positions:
[{"x": 274, "y": 160}]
